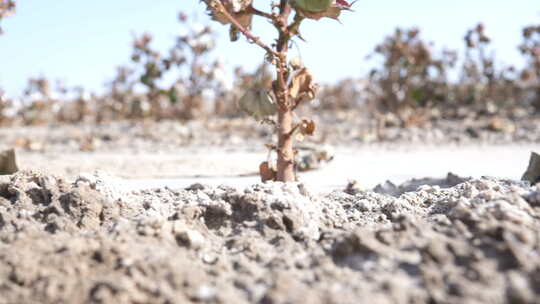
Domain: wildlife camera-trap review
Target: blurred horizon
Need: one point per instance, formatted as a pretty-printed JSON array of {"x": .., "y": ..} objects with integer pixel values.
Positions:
[{"x": 82, "y": 43}]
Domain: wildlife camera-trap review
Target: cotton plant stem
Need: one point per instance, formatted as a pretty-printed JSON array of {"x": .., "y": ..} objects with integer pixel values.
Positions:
[{"x": 285, "y": 162}]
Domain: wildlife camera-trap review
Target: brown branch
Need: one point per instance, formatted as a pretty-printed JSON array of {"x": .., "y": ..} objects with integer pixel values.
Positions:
[
  {"x": 244, "y": 31},
  {"x": 282, "y": 48},
  {"x": 284, "y": 11},
  {"x": 293, "y": 28},
  {"x": 257, "y": 12}
]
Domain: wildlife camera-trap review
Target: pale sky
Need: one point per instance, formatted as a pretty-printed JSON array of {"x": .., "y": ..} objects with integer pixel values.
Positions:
[{"x": 81, "y": 42}]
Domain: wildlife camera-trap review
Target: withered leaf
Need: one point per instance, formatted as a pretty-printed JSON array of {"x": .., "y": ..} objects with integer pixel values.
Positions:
[
  {"x": 296, "y": 63},
  {"x": 307, "y": 127},
  {"x": 236, "y": 8},
  {"x": 240, "y": 5},
  {"x": 266, "y": 173},
  {"x": 302, "y": 85},
  {"x": 245, "y": 20}
]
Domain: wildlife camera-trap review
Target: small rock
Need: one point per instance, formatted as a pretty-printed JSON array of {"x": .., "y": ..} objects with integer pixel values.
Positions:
[
  {"x": 195, "y": 187},
  {"x": 108, "y": 185},
  {"x": 353, "y": 187},
  {"x": 190, "y": 238},
  {"x": 209, "y": 258},
  {"x": 388, "y": 188},
  {"x": 472, "y": 132},
  {"x": 205, "y": 293}
]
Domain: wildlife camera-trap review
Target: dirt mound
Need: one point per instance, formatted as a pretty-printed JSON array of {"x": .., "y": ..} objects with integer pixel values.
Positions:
[{"x": 89, "y": 241}]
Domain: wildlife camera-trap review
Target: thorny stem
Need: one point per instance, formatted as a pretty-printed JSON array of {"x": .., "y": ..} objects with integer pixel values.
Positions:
[
  {"x": 282, "y": 49},
  {"x": 282, "y": 92},
  {"x": 285, "y": 162},
  {"x": 257, "y": 12}
]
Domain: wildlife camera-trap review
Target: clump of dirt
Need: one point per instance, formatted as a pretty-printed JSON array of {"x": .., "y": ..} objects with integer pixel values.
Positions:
[
  {"x": 390, "y": 188},
  {"x": 476, "y": 241}
]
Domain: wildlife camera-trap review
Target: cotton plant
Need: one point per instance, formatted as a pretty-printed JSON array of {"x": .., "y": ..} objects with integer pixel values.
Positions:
[{"x": 293, "y": 83}]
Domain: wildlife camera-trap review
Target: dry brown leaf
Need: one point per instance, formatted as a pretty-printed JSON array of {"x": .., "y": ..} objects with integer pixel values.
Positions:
[
  {"x": 266, "y": 173},
  {"x": 302, "y": 85},
  {"x": 304, "y": 128},
  {"x": 237, "y": 9},
  {"x": 240, "y": 5},
  {"x": 307, "y": 127},
  {"x": 245, "y": 20}
]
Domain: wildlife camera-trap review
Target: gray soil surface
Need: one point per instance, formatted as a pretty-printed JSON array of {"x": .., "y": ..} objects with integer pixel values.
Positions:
[
  {"x": 89, "y": 241},
  {"x": 341, "y": 129},
  {"x": 120, "y": 236},
  {"x": 216, "y": 150}
]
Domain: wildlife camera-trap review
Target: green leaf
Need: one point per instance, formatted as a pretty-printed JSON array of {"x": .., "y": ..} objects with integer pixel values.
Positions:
[
  {"x": 258, "y": 103},
  {"x": 145, "y": 79},
  {"x": 313, "y": 5},
  {"x": 173, "y": 95},
  {"x": 317, "y": 9}
]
